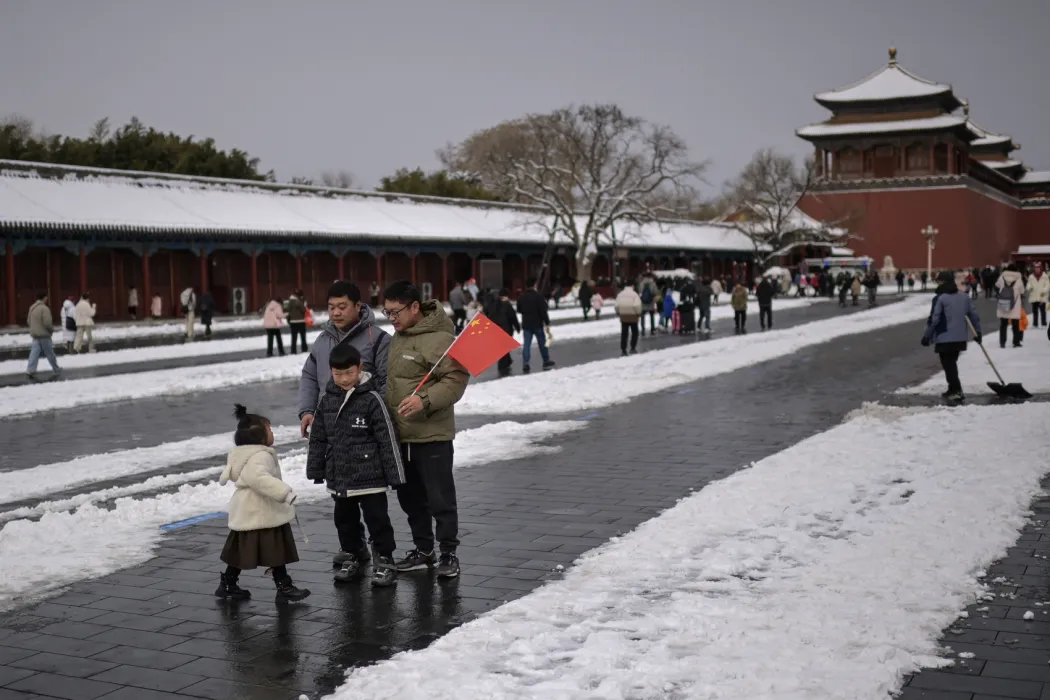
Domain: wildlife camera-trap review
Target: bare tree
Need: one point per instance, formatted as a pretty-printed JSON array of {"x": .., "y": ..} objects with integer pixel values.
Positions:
[
  {"x": 100, "y": 130},
  {"x": 762, "y": 203},
  {"x": 22, "y": 126},
  {"x": 339, "y": 178},
  {"x": 587, "y": 170}
]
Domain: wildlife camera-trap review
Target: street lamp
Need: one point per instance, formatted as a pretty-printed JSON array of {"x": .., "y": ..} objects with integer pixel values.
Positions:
[{"x": 930, "y": 234}]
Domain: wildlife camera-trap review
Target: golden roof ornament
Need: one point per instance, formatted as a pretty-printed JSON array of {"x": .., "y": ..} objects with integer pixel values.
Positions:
[
  {"x": 893, "y": 56},
  {"x": 966, "y": 108}
]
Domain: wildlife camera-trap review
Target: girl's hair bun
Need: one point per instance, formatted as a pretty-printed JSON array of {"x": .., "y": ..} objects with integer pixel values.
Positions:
[{"x": 240, "y": 411}]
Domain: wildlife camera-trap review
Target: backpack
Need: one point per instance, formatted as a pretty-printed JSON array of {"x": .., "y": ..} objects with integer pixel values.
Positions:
[
  {"x": 1006, "y": 299},
  {"x": 647, "y": 294}
]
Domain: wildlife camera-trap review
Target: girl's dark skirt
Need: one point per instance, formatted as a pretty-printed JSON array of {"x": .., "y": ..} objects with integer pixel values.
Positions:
[{"x": 272, "y": 547}]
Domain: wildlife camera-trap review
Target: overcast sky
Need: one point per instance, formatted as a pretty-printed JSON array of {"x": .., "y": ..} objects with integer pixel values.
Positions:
[{"x": 368, "y": 87}]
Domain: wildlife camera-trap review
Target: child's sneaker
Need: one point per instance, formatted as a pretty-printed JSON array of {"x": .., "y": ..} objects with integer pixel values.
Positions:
[
  {"x": 350, "y": 568},
  {"x": 416, "y": 560},
  {"x": 229, "y": 589},
  {"x": 384, "y": 572},
  {"x": 448, "y": 567},
  {"x": 288, "y": 593}
]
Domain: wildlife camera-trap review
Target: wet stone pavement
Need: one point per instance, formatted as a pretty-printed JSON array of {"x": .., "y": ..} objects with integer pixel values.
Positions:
[
  {"x": 30, "y": 441},
  {"x": 157, "y": 628}
]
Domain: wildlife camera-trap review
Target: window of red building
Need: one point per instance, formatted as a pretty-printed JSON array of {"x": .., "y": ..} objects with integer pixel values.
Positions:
[
  {"x": 850, "y": 163},
  {"x": 940, "y": 158},
  {"x": 885, "y": 161},
  {"x": 917, "y": 157}
]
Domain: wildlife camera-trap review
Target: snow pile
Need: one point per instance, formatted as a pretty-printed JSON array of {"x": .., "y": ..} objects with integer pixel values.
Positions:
[
  {"x": 38, "y": 482},
  {"x": 33, "y": 398},
  {"x": 64, "y": 547},
  {"x": 618, "y": 380},
  {"x": 825, "y": 571},
  {"x": 1026, "y": 364}
]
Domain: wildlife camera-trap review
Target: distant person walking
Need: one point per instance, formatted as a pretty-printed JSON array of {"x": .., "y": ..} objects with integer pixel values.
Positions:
[
  {"x": 457, "y": 300},
  {"x": 647, "y": 292},
  {"x": 534, "y": 323},
  {"x": 501, "y": 312},
  {"x": 156, "y": 307},
  {"x": 84, "y": 315},
  {"x": 69, "y": 322},
  {"x": 738, "y": 301},
  {"x": 900, "y": 281},
  {"x": 704, "y": 294},
  {"x": 41, "y": 327},
  {"x": 273, "y": 317},
  {"x": 297, "y": 320},
  {"x": 133, "y": 303},
  {"x": 764, "y": 293},
  {"x": 188, "y": 299},
  {"x": 373, "y": 294},
  {"x": 207, "y": 308},
  {"x": 1038, "y": 294},
  {"x": 584, "y": 297},
  {"x": 629, "y": 308},
  {"x": 716, "y": 289}
]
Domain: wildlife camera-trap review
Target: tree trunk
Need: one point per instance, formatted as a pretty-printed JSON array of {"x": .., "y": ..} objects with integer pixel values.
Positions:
[{"x": 584, "y": 263}]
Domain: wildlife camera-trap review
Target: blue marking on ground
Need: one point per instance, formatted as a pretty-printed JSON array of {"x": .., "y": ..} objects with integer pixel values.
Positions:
[
  {"x": 191, "y": 521},
  {"x": 589, "y": 416},
  {"x": 685, "y": 391}
]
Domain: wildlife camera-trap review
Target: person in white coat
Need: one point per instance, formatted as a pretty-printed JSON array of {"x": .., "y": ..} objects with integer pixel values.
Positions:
[
  {"x": 1009, "y": 301},
  {"x": 69, "y": 323},
  {"x": 1038, "y": 294},
  {"x": 629, "y": 309},
  {"x": 188, "y": 299},
  {"x": 84, "y": 315}
]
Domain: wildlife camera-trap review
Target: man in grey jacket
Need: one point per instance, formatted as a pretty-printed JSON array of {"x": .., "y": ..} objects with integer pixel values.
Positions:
[
  {"x": 349, "y": 321},
  {"x": 41, "y": 326}
]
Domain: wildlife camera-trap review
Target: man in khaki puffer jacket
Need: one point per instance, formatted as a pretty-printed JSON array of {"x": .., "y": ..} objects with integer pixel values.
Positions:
[
  {"x": 426, "y": 423},
  {"x": 41, "y": 326}
]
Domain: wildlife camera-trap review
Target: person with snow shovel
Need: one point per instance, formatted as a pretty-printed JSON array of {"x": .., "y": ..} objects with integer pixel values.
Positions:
[{"x": 947, "y": 330}]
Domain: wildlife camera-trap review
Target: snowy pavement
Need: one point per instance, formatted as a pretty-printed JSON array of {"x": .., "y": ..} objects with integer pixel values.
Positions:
[
  {"x": 78, "y": 539},
  {"x": 825, "y": 571},
  {"x": 1027, "y": 365},
  {"x": 33, "y": 398}
]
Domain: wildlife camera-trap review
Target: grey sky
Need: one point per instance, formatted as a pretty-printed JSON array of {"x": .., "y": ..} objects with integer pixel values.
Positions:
[{"x": 370, "y": 86}]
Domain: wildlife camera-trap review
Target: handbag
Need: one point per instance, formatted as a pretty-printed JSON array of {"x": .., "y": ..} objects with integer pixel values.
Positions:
[
  {"x": 1024, "y": 320},
  {"x": 308, "y": 317}
]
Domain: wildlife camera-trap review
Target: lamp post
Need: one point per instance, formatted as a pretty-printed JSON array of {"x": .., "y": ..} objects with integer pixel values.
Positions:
[{"x": 930, "y": 234}]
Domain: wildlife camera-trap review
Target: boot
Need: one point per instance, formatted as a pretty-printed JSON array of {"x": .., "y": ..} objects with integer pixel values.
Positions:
[
  {"x": 288, "y": 593},
  {"x": 229, "y": 589}
]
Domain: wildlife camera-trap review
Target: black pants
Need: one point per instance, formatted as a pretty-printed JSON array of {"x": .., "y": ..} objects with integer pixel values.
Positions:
[
  {"x": 629, "y": 329},
  {"x": 272, "y": 333},
  {"x": 347, "y": 517},
  {"x": 298, "y": 333},
  {"x": 207, "y": 329},
  {"x": 1016, "y": 325},
  {"x": 1038, "y": 313},
  {"x": 740, "y": 320},
  {"x": 586, "y": 310},
  {"x": 430, "y": 495},
  {"x": 900, "y": 288},
  {"x": 459, "y": 318},
  {"x": 950, "y": 363},
  {"x": 504, "y": 364},
  {"x": 280, "y": 573},
  {"x": 765, "y": 316}
]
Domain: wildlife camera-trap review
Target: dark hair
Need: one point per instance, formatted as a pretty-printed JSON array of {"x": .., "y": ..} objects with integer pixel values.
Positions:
[
  {"x": 344, "y": 356},
  {"x": 504, "y": 292},
  {"x": 251, "y": 428},
  {"x": 403, "y": 292},
  {"x": 40, "y": 296},
  {"x": 342, "y": 288},
  {"x": 530, "y": 282},
  {"x": 1011, "y": 268}
]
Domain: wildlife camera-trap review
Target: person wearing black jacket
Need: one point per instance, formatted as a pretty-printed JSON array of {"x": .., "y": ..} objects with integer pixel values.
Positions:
[
  {"x": 534, "y": 322},
  {"x": 764, "y": 294},
  {"x": 500, "y": 312}
]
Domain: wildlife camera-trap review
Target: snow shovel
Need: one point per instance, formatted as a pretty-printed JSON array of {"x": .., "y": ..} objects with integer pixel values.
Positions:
[{"x": 1007, "y": 391}]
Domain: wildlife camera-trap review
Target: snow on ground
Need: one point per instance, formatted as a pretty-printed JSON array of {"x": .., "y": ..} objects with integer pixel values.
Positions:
[
  {"x": 608, "y": 382},
  {"x": 38, "y": 482},
  {"x": 33, "y": 398},
  {"x": 63, "y": 547},
  {"x": 1027, "y": 365},
  {"x": 825, "y": 571}
]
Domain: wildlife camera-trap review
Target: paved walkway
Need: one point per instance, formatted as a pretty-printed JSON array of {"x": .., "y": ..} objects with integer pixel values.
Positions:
[{"x": 157, "y": 626}]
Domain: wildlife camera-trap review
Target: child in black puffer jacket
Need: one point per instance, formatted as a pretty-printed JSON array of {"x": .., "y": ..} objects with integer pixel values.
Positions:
[{"x": 354, "y": 449}]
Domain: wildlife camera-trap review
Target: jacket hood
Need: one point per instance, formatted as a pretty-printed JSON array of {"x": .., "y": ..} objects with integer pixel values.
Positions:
[
  {"x": 1010, "y": 277},
  {"x": 364, "y": 385},
  {"x": 366, "y": 320},
  {"x": 434, "y": 320},
  {"x": 239, "y": 457}
]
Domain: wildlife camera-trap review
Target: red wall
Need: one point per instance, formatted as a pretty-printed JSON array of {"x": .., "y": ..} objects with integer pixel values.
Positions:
[
  {"x": 1034, "y": 228},
  {"x": 974, "y": 229}
]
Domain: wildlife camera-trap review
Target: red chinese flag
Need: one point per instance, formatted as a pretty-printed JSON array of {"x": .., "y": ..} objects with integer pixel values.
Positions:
[{"x": 481, "y": 344}]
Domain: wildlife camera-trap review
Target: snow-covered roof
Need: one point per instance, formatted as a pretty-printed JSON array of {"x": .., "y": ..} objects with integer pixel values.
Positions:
[
  {"x": 843, "y": 252},
  {"x": 985, "y": 137},
  {"x": 1033, "y": 250},
  {"x": 180, "y": 205},
  {"x": 1035, "y": 177},
  {"x": 1002, "y": 164},
  {"x": 891, "y": 82},
  {"x": 945, "y": 121}
]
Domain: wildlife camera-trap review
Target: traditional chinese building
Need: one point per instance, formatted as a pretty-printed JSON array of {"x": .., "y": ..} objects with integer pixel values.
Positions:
[
  {"x": 66, "y": 230},
  {"x": 900, "y": 154}
]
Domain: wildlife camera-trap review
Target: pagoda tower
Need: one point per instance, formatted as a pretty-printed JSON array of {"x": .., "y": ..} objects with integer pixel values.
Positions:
[{"x": 900, "y": 154}]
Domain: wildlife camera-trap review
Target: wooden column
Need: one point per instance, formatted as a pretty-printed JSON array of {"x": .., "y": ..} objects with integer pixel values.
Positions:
[
  {"x": 342, "y": 271},
  {"x": 204, "y": 271},
  {"x": 254, "y": 301},
  {"x": 951, "y": 159},
  {"x": 412, "y": 267},
  {"x": 146, "y": 298},
  {"x": 54, "y": 277},
  {"x": 933, "y": 162},
  {"x": 379, "y": 270},
  {"x": 83, "y": 270},
  {"x": 298, "y": 269},
  {"x": 113, "y": 283},
  {"x": 176, "y": 307},
  {"x": 9, "y": 274},
  {"x": 269, "y": 277},
  {"x": 444, "y": 278}
]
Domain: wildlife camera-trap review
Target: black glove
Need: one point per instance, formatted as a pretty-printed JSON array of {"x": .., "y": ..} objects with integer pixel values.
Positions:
[
  {"x": 925, "y": 342},
  {"x": 978, "y": 338},
  {"x": 318, "y": 481}
]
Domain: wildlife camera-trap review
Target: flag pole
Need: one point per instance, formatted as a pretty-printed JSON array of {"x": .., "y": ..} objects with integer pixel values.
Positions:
[{"x": 443, "y": 356}]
